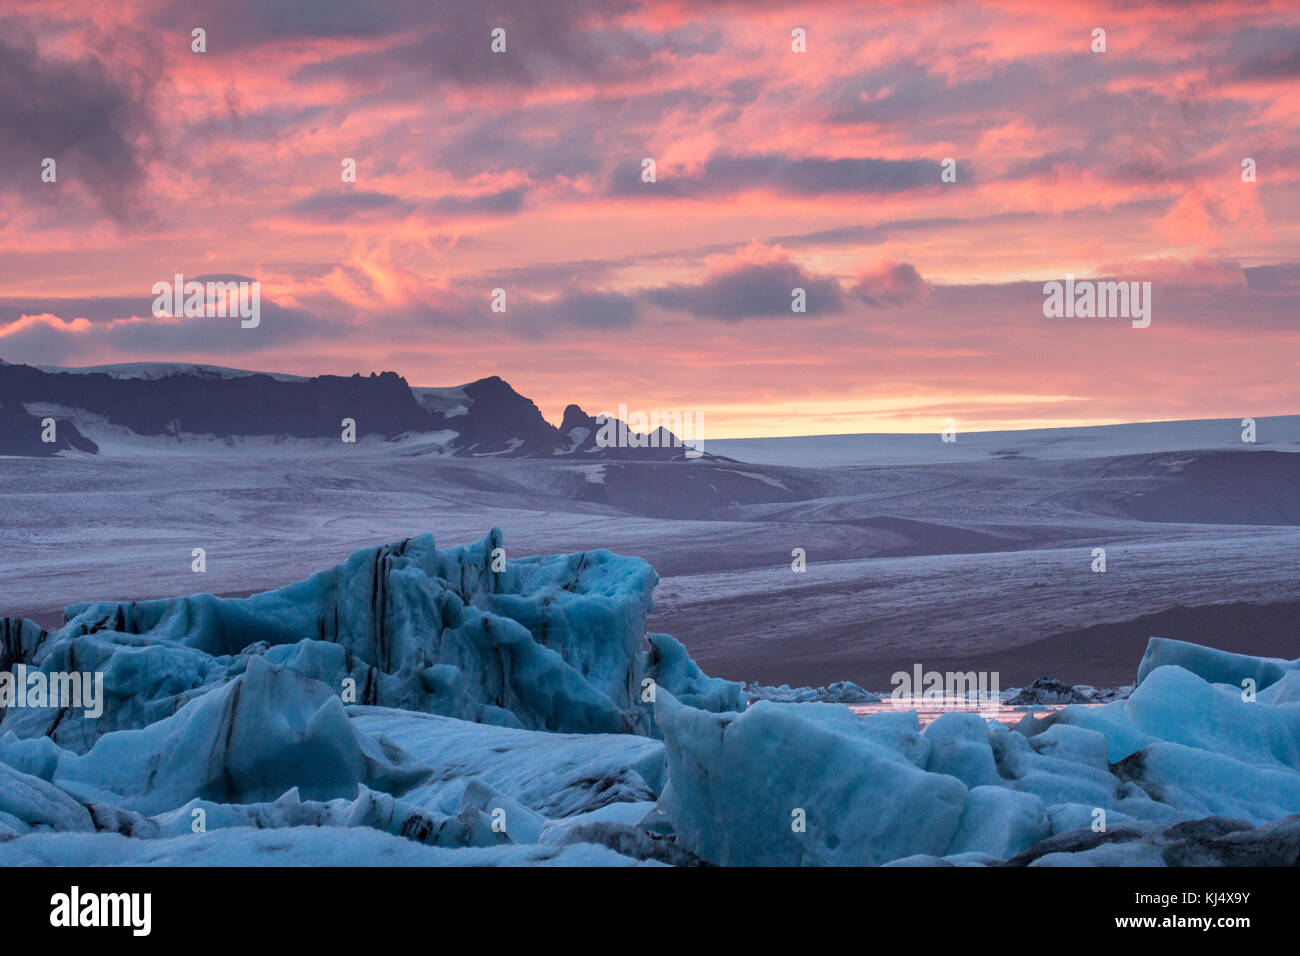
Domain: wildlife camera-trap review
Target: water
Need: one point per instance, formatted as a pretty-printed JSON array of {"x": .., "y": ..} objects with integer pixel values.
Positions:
[{"x": 927, "y": 709}]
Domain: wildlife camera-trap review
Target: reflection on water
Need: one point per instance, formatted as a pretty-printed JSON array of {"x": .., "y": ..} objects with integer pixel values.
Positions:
[{"x": 928, "y": 708}]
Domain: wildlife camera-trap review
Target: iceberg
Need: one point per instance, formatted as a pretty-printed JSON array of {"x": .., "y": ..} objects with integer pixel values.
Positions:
[
  {"x": 1048, "y": 690},
  {"x": 265, "y": 732},
  {"x": 547, "y": 643},
  {"x": 555, "y": 775},
  {"x": 1215, "y": 666},
  {"x": 425, "y": 706},
  {"x": 668, "y": 665},
  {"x": 839, "y": 692},
  {"x": 800, "y": 784}
]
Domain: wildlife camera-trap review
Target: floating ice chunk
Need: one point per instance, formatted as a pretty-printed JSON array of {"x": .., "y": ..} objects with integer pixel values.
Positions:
[
  {"x": 1174, "y": 704},
  {"x": 840, "y": 692},
  {"x": 1203, "y": 783},
  {"x": 544, "y": 643},
  {"x": 38, "y": 756},
  {"x": 1210, "y": 841},
  {"x": 959, "y": 747},
  {"x": 142, "y": 682},
  {"x": 1000, "y": 823},
  {"x": 632, "y": 814},
  {"x": 262, "y": 734},
  {"x": 1079, "y": 744},
  {"x": 556, "y": 775},
  {"x": 1065, "y": 817},
  {"x": 1215, "y": 666},
  {"x": 29, "y": 803},
  {"x": 1047, "y": 690},
  {"x": 19, "y": 639},
  {"x": 521, "y": 824},
  {"x": 1285, "y": 691},
  {"x": 626, "y": 839},
  {"x": 1050, "y": 771},
  {"x": 379, "y": 811},
  {"x": 669, "y": 665},
  {"x": 1131, "y": 852},
  {"x": 589, "y": 608},
  {"x": 790, "y": 784}
]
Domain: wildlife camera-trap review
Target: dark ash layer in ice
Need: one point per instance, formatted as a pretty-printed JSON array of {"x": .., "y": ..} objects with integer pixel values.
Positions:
[{"x": 1048, "y": 690}]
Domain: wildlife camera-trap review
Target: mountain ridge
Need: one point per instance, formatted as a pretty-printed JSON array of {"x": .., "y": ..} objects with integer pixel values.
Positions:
[{"x": 486, "y": 417}]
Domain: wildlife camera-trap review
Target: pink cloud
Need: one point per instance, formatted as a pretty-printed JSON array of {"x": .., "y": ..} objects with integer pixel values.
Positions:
[{"x": 775, "y": 169}]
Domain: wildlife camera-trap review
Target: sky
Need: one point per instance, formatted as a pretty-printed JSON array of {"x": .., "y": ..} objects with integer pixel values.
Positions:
[{"x": 775, "y": 169}]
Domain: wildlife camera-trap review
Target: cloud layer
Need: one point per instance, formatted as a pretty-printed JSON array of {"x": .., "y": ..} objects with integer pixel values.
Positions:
[{"x": 775, "y": 170}]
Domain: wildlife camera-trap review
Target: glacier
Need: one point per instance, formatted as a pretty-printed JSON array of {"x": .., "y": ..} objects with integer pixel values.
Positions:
[{"x": 424, "y": 706}]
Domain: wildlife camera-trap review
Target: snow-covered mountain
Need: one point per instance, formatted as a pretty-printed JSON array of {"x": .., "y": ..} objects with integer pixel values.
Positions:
[
  {"x": 154, "y": 370},
  {"x": 482, "y": 418}
]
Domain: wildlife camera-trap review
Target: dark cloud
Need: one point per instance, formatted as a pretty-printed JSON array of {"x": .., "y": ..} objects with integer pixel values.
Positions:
[
  {"x": 334, "y": 205},
  {"x": 1282, "y": 66},
  {"x": 449, "y": 41},
  {"x": 510, "y": 142},
  {"x": 340, "y": 206},
  {"x": 1265, "y": 54},
  {"x": 504, "y": 202},
  {"x": 727, "y": 174},
  {"x": 99, "y": 309},
  {"x": 43, "y": 342},
  {"x": 751, "y": 291},
  {"x": 883, "y": 231},
  {"x": 550, "y": 275},
  {"x": 1144, "y": 130},
  {"x": 586, "y": 310},
  {"x": 94, "y": 125},
  {"x": 551, "y": 141},
  {"x": 103, "y": 309},
  {"x": 907, "y": 93},
  {"x": 237, "y": 24},
  {"x": 1184, "y": 294},
  {"x": 1273, "y": 278}
]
